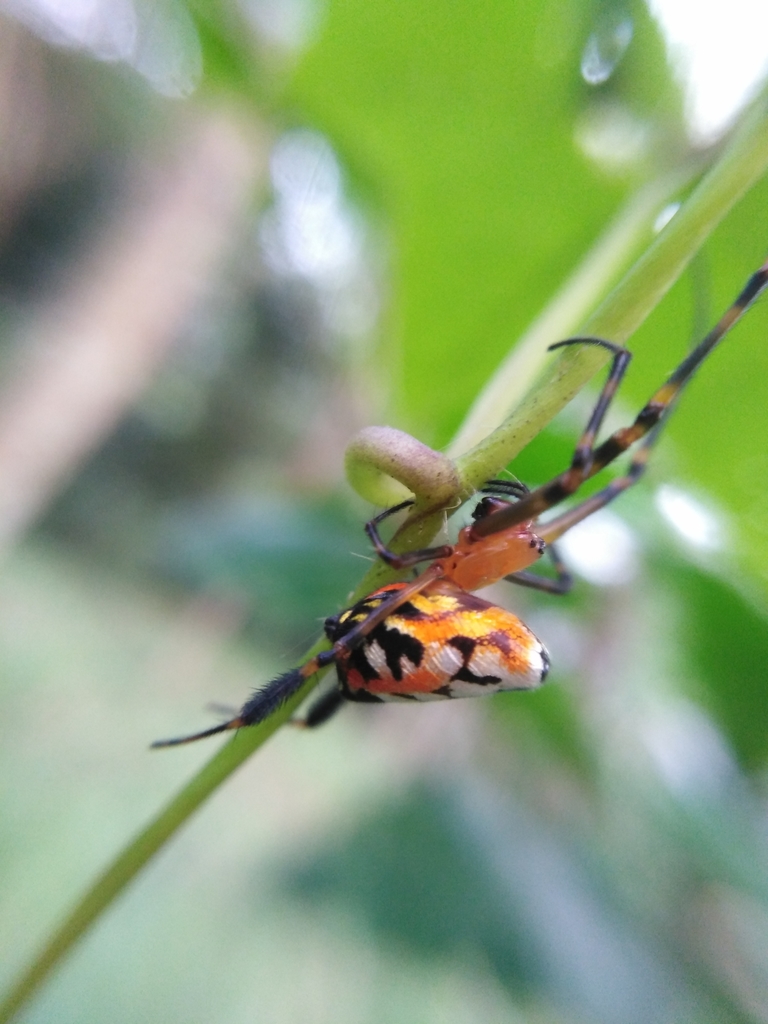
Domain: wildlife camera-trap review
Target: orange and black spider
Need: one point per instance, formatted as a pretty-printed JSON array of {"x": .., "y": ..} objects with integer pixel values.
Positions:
[{"x": 433, "y": 638}]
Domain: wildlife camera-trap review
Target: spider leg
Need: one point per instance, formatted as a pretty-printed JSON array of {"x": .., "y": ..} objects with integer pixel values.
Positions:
[
  {"x": 512, "y": 488},
  {"x": 589, "y": 460},
  {"x": 266, "y": 701},
  {"x": 539, "y": 500},
  {"x": 556, "y": 527},
  {"x": 391, "y": 511},
  {"x": 321, "y": 710},
  {"x": 404, "y": 561},
  {"x": 260, "y": 705},
  {"x": 583, "y": 455},
  {"x": 659, "y": 404},
  {"x": 561, "y": 584}
]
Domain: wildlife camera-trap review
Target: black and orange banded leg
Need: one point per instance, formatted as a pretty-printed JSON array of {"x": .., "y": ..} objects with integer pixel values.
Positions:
[
  {"x": 655, "y": 409},
  {"x": 555, "y": 528},
  {"x": 583, "y": 455},
  {"x": 266, "y": 701},
  {"x": 589, "y": 460}
]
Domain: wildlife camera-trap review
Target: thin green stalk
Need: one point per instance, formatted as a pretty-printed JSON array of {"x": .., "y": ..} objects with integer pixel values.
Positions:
[
  {"x": 628, "y": 234},
  {"x": 745, "y": 159},
  {"x": 111, "y": 883},
  {"x": 742, "y": 163}
]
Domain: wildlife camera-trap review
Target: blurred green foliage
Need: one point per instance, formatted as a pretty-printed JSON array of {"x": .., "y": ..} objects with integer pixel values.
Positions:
[{"x": 461, "y": 122}]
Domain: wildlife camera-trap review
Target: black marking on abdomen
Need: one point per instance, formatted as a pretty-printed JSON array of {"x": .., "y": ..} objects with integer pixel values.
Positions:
[
  {"x": 337, "y": 626},
  {"x": 358, "y": 661},
  {"x": 466, "y": 647},
  {"x": 443, "y": 691},
  {"x": 409, "y": 611},
  {"x": 396, "y": 646},
  {"x": 546, "y": 664}
]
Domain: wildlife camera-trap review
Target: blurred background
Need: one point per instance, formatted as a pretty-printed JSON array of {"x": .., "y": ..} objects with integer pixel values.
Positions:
[{"x": 232, "y": 234}]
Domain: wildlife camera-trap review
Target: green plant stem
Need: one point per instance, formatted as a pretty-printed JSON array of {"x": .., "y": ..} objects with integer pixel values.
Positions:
[
  {"x": 743, "y": 162},
  {"x": 630, "y": 232},
  {"x": 110, "y": 884}
]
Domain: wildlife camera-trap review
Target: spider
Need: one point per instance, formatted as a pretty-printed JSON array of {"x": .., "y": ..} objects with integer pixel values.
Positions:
[{"x": 432, "y": 638}]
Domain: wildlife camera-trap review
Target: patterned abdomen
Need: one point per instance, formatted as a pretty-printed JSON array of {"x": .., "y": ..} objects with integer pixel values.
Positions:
[{"x": 442, "y": 643}]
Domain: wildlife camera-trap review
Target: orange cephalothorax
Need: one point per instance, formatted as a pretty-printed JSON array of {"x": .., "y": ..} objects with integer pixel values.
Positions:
[{"x": 477, "y": 562}]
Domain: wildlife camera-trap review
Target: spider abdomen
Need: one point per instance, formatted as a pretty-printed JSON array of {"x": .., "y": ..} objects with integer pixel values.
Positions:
[{"x": 442, "y": 643}]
